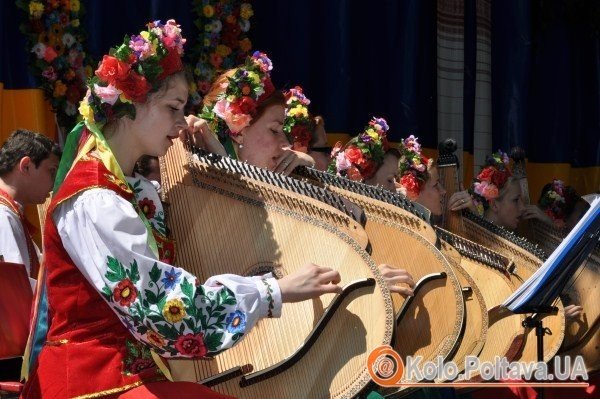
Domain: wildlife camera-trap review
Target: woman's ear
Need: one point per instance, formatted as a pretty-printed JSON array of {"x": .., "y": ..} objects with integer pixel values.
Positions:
[
  {"x": 238, "y": 139},
  {"x": 494, "y": 206}
]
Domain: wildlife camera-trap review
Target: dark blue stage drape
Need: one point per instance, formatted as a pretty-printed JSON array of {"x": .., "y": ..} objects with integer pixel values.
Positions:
[
  {"x": 358, "y": 59},
  {"x": 546, "y": 79}
]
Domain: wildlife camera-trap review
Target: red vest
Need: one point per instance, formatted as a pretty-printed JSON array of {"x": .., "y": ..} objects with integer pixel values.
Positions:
[{"x": 89, "y": 352}]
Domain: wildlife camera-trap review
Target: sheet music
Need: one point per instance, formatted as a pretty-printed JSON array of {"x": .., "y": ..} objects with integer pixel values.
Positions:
[{"x": 552, "y": 272}]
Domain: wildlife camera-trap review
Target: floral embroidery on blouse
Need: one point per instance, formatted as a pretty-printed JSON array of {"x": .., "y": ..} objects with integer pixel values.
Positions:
[
  {"x": 175, "y": 316},
  {"x": 147, "y": 206},
  {"x": 138, "y": 358},
  {"x": 149, "y": 203}
]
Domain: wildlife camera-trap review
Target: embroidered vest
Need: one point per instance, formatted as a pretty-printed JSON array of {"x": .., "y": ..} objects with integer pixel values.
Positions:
[{"x": 89, "y": 352}]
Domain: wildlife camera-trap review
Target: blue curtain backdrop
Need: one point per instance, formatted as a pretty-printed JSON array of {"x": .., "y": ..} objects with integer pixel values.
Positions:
[{"x": 358, "y": 59}]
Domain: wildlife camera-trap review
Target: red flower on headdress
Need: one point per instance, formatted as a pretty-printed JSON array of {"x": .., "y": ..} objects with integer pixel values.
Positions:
[
  {"x": 191, "y": 345},
  {"x": 354, "y": 154},
  {"x": 112, "y": 70},
  {"x": 171, "y": 63},
  {"x": 268, "y": 88},
  {"x": 135, "y": 87},
  {"x": 499, "y": 178},
  {"x": 486, "y": 174},
  {"x": 301, "y": 138},
  {"x": 244, "y": 105},
  {"x": 411, "y": 184},
  {"x": 368, "y": 169}
]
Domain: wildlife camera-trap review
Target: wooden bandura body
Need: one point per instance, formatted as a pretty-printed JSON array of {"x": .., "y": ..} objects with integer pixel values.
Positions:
[
  {"x": 224, "y": 222},
  {"x": 525, "y": 258},
  {"x": 434, "y": 322}
]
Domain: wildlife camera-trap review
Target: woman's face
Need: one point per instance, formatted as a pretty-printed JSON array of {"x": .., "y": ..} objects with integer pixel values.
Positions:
[
  {"x": 508, "y": 209},
  {"x": 386, "y": 174},
  {"x": 263, "y": 142},
  {"x": 159, "y": 120},
  {"x": 432, "y": 193}
]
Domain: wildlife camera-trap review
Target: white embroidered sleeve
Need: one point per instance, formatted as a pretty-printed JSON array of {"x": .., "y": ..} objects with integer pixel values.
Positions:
[
  {"x": 162, "y": 305},
  {"x": 13, "y": 246}
]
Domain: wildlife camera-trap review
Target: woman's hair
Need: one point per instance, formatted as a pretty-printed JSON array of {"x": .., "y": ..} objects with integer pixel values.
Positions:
[{"x": 143, "y": 165}]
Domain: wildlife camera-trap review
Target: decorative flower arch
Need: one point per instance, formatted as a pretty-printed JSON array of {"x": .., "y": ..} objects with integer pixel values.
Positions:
[{"x": 54, "y": 38}]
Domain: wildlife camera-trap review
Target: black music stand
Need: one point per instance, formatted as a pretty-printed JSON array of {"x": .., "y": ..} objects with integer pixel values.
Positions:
[{"x": 542, "y": 305}]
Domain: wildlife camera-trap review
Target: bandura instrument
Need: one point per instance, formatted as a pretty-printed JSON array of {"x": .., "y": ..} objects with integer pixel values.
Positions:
[{"x": 226, "y": 222}]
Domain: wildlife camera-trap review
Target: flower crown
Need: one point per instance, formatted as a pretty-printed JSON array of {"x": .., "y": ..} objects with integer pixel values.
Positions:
[
  {"x": 362, "y": 155},
  {"x": 413, "y": 168},
  {"x": 297, "y": 124},
  {"x": 490, "y": 181},
  {"x": 557, "y": 201},
  {"x": 131, "y": 71},
  {"x": 249, "y": 85}
]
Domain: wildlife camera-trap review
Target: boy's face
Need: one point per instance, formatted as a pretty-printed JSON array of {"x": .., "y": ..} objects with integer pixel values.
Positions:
[{"x": 41, "y": 179}]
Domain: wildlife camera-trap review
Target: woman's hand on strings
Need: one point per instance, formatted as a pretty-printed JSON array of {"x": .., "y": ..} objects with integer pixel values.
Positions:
[
  {"x": 309, "y": 282},
  {"x": 398, "y": 280},
  {"x": 573, "y": 312},
  {"x": 290, "y": 160},
  {"x": 534, "y": 212},
  {"x": 461, "y": 200},
  {"x": 199, "y": 134}
]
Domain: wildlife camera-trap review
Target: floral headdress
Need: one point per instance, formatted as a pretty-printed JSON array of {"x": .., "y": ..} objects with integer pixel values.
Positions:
[
  {"x": 557, "y": 201},
  {"x": 362, "y": 155},
  {"x": 490, "y": 181},
  {"x": 234, "y": 109},
  {"x": 298, "y": 124},
  {"x": 131, "y": 71},
  {"x": 413, "y": 168}
]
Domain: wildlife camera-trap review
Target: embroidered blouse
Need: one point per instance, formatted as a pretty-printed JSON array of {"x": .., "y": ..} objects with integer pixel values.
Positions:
[{"x": 162, "y": 305}]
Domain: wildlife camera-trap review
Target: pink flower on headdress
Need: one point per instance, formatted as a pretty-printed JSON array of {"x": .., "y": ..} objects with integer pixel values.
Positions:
[
  {"x": 341, "y": 162},
  {"x": 235, "y": 122},
  {"x": 412, "y": 144},
  {"x": 486, "y": 190},
  {"x": 141, "y": 47},
  {"x": 490, "y": 192},
  {"x": 263, "y": 61},
  {"x": 109, "y": 94}
]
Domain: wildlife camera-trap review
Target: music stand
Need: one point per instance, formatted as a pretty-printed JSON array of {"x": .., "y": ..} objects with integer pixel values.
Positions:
[{"x": 542, "y": 305}]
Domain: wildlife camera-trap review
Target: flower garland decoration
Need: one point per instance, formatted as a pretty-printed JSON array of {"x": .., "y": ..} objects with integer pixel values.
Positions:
[
  {"x": 298, "y": 125},
  {"x": 413, "y": 168},
  {"x": 490, "y": 181},
  {"x": 54, "y": 38},
  {"x": 131, "y": 71},
  {"x": 359, "y": 159},
  {"x": 558, "y": 201},
  {"x": 245, "y": 89},
  {"x": 223, "y": 41}
]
